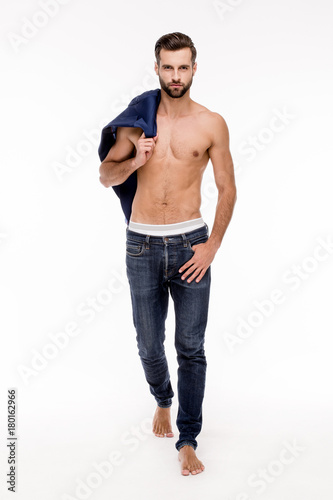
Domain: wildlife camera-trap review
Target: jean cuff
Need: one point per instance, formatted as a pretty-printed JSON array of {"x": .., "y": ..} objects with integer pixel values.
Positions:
[
  {"x": 164, "y": 405},
  {"x": 186, "y": 443}
]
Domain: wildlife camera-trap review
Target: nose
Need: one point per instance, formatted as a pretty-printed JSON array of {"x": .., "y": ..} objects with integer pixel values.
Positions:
[{"x": 175, "y": 76}]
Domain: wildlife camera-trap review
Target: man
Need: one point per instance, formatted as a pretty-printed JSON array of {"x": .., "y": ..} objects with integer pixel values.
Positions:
[{"x": 168, "y": 247}]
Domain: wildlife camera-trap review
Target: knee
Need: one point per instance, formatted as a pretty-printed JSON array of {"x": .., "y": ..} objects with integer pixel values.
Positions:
[
  {"x": 151, "y": 353},
  {"x": 190, "y": 351}
]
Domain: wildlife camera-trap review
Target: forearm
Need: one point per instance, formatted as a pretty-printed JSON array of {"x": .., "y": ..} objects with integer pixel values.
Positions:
[
  {"x": 113, "y": 173},
  {"x": 224, "y": 210}
]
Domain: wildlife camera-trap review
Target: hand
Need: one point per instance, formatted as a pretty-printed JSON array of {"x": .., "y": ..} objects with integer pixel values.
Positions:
[
  {"x": 197, "y": 266},
  {"x": 145, "y": 149}
]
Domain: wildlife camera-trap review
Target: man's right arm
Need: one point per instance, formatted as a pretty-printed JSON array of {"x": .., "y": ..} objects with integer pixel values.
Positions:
[{"x": 120, "y": 162}]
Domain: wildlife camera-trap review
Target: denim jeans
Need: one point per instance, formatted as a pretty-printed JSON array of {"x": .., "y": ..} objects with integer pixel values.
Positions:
[{"x": 153, "y": 264}]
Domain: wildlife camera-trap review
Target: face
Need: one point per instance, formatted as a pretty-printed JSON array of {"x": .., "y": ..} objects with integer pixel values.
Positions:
[{"x": 175, "y": 71}]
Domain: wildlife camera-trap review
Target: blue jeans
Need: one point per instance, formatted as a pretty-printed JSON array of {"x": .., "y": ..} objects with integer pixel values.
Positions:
[{"x": 153, "y": 264}]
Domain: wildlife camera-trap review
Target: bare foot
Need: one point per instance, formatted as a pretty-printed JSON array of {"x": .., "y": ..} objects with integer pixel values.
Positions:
[
  {"x": 189, "y": 461},
  {"x": 162, "y": 422}
]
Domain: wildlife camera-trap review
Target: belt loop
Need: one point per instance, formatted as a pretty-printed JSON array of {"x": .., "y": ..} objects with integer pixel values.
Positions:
[
  {"x": 147, "y": 242},
  {"x": 184, "y": 240}
]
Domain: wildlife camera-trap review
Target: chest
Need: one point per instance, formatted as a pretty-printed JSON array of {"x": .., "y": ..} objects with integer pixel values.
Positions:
[{"x": 184, "y": 139}]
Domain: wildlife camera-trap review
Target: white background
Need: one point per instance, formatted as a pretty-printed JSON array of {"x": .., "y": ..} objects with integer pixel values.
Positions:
[{"x": 62, "y": 241}]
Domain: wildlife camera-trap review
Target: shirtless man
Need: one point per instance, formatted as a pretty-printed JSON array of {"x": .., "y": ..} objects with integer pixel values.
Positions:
[{"x": 168, "y": 248}]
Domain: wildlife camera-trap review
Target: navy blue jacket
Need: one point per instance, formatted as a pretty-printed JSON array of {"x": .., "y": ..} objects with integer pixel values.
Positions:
[{"x": 141, "y": 112}]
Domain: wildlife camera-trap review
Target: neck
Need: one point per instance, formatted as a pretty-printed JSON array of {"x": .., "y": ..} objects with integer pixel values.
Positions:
[{"x": 174, "y": 107}]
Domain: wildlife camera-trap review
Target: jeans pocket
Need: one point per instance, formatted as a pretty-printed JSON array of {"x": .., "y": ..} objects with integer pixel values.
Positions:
[
  {"x": 134, "y": 249},
  {"x": 199, "y": 239}
]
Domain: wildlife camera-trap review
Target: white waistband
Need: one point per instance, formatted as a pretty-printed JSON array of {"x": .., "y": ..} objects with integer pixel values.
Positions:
[{"x": 166, "y": 229}]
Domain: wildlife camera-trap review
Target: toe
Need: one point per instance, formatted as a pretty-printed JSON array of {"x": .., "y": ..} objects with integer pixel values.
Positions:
[{"x": 185, "y": 472}]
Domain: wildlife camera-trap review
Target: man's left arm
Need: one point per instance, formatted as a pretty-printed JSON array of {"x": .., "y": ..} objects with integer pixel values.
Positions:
[{"x": 221, "y": 159}]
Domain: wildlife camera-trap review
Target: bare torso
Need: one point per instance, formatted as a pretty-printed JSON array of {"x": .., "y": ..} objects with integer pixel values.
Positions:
[{"x": 169, "y": 183}]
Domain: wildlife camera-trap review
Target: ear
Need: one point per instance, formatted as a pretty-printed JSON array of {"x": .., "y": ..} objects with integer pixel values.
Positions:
[
  {"x": 156, "y": 68},
  {"x": 194, "y": 68}
]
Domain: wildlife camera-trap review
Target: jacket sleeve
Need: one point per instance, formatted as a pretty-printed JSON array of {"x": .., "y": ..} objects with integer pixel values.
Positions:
[{"x": 141, "y": 112}]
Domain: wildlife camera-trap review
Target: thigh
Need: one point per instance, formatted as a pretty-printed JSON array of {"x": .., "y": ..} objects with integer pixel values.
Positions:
[
  {"x": 144, "y": 266},
  {"x": 148, "y": 292},
  {"x": 191, "y": 302}
]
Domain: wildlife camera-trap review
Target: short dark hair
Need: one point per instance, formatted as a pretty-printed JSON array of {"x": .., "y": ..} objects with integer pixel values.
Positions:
[{"x": 174, "y": 41}]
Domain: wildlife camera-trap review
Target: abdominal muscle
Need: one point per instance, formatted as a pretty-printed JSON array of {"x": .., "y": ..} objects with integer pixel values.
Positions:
[{"x": 168, "y": 191}]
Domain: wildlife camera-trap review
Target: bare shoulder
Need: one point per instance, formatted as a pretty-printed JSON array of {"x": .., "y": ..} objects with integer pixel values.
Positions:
[
  {"x": 212, "y": 121},
  {"x": 130, "y": 133}
]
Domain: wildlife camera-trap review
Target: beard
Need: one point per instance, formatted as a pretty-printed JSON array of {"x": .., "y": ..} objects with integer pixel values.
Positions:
[{"x": 173, "y": 92}]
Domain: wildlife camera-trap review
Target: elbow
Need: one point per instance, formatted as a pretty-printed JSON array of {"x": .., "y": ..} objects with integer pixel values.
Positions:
[
  {"x": 103, "y": 182},
  {"x": 232, "y": 192},
  {"x": 102, "y": 176},
  {"x": 235, "y": 195},
  {"x": 229, "y": 191}
]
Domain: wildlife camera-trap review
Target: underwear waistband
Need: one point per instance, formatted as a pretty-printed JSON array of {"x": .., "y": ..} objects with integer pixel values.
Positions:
[{"x": 166, "y": 229}]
